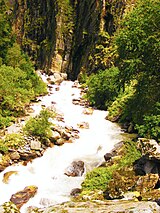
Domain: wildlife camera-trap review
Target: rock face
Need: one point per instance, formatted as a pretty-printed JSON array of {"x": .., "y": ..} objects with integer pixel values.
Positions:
[
  {"x": 61, "y": 35},
  {"x": 22, "y": 197},
  {"x": 75, "y": 169},
  {"x": 150, "y": 160}
]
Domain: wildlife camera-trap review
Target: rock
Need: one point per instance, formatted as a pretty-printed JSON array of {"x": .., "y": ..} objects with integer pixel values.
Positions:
[
  {"x": 56, "y": 78},
  {"x": 7, "y": 175},
  {"x": 55, "y": 136},
  {"x": 149, "y": 147},
  {"x": 83, "y": 125},
  {"x": 75, "y": 192},
  {"x": 88, "y": 111},
  {"x": 108, "y": 156},
  {"x": 144, "y": 165},
  {"x": 75, "y": 169},
  {"x": 22, "y": 197},
  {"x": 14, "y": 156},
  {"x": 9, "y": 207},
  {"x": 146, "y": 183},
  {"x": 59, "y": 142},
  {"x": 27, "y": 155},
  {"x": 64, "y": 76},
  {"x": 35, "y": 145},
  {"x": 126, "y": 181}
]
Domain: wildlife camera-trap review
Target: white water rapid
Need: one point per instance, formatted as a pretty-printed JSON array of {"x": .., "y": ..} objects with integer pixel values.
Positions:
[{"x": 47, "y": 172}]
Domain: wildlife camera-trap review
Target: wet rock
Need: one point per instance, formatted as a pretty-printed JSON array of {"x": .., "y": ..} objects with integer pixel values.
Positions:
[
  {"x": 108, "y": 156},
  {"x": 7, "y": 175},
  {"x": 75, "y": 192},
  {"x": 75, "y": 169},
  {"x": 14, "y": 156},
  {"x": 83, "y": 125},
  {"x": 56, "y": 78},
  {"x": 27, "y": 155},
  {"x": 59, "y": 142},
  {"x": 144, "y": 165},
  {"x": 9, "y": 207},
  {"x": 35, "y": 145},
  {"x": 88, "y": 111},
  {"x": 22, "y": 197},
  {"x": 55, "y": 136}
]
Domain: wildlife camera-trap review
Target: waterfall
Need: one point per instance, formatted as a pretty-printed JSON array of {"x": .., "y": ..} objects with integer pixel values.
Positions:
[{"x": 47, "y": 172}]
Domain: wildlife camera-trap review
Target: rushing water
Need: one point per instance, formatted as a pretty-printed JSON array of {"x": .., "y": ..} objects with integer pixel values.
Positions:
[{"x": 47, "y": 172}]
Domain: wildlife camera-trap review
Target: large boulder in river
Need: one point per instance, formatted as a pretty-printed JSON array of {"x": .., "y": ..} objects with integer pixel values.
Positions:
[
  {"x": 75, "y": 169},
  {"x": 150, "y": 160},
  {"x": 22, "y": 197}
]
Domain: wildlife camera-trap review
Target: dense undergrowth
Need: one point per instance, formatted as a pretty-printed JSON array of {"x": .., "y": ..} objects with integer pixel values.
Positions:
[
  {"x": 100, "y": 177},
  {"x": 19, "y": 82}
]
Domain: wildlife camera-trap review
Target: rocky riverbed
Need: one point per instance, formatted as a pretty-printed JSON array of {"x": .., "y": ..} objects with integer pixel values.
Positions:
[{"x": 132, "y": 189}]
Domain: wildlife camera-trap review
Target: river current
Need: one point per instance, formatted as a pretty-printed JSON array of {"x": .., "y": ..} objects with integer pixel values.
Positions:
[{"x": 47, "y": 172}]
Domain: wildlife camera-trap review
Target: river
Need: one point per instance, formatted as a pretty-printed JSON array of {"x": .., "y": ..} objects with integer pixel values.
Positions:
[{"x": 47, "y": 172}]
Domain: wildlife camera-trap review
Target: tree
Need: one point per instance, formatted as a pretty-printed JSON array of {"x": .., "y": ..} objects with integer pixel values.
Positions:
[{"x": 138, "y": 45}]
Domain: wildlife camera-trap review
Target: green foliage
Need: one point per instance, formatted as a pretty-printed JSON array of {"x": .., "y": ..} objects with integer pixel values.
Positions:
[
  {"x": 131, "y": 154},
  {"x": 12, "y": 141},
  {"x": 103, "y": 88},
  {"x": 117, "y": 108},
  {"x": 150, "y": 127},
  {"x": 40, "y": 126},
  {"x": 102, "y": 56},
  {"x": 6, "y": 37},
  {"x": 138, "y": 41},
  {"x": 17, "y": 88},
  {"x": 100, "y": 177}
]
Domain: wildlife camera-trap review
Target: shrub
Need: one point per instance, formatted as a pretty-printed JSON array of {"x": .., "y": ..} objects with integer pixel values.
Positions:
[
  {"x": 100, "y": 177},
  {"x": 40, "y": 126},
  {"x": 150, "y": 127},
  {"x": 14, "y": 140},
  {"x": 103, "y": 88}
]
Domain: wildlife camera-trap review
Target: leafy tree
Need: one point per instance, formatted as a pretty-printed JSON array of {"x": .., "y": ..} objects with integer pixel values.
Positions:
[
  {"x": 102, "y": 87},
  {"x": 6, "y": 37},
  {"x": 138, "y": 48}
]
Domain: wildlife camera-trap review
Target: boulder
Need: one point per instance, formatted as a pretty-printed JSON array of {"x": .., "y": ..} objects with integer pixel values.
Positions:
[
  {"x": 75, "y": 192},
  {"x": 88, "y": 111},
  {"x": 75, "y": 169},
  {"x": 35, "y": 145},
  {"x": 55, "y": 136},
  {"x": 22, "y": 197},
  {"x": 144, "y": 165},
  {"x": 83, "y": 125},
  {"x": 149, "y": 147},
  {"x": 126, "y": 181},
  {"x": 14, "y": 155}
]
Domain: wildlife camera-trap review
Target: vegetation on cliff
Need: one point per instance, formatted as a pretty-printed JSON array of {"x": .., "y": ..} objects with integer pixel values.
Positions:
[
  {"x": 134, "y": 50},
  {"x": 19, "y": 82}
]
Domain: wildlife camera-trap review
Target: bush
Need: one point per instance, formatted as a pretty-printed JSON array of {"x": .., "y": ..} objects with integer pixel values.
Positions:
[
  {"x": 117, "y": 108},
  {"x": 103, "y": 88},
  {"x": 14, "y": 140},
  {"x": 100, "y": 177},
  {"x": 150, "y": 128},
  {"x": 40, "y": 126}
]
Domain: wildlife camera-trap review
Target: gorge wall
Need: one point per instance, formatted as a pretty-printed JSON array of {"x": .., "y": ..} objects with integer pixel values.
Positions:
[{"x": 62, "y": 35}]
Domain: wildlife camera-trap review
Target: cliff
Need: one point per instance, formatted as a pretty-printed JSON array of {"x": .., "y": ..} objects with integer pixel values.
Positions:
[{"x": 62, "y": 35}]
